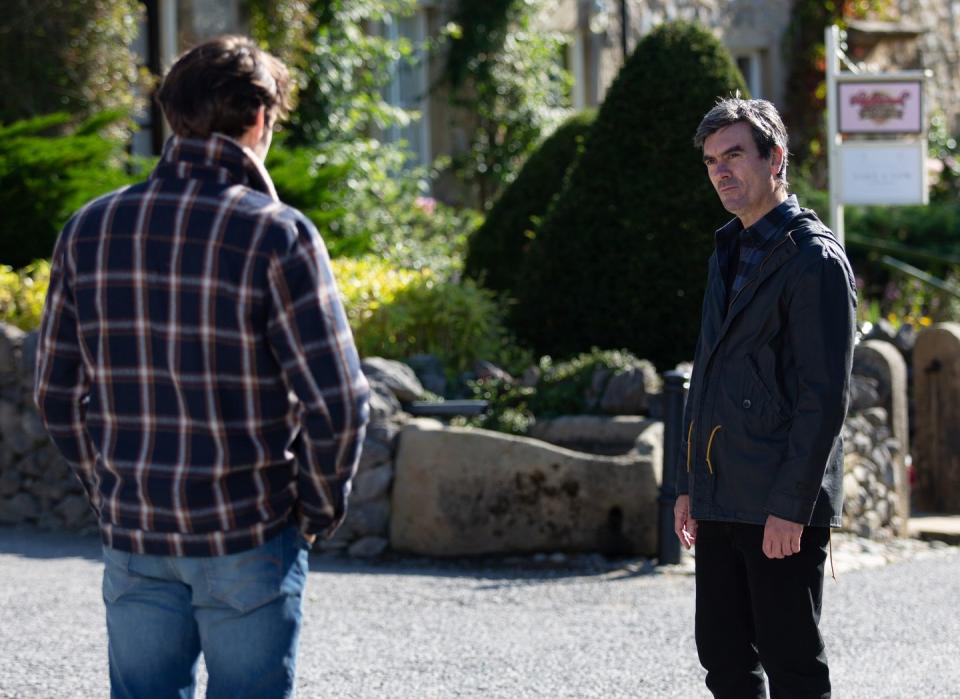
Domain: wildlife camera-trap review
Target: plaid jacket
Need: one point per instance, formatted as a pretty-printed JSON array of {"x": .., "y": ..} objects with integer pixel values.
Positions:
[{"x": 195, "y": 366}]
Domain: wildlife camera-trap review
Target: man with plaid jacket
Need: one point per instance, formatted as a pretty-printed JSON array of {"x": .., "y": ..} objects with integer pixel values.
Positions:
[{"x": 196, "y": 369}]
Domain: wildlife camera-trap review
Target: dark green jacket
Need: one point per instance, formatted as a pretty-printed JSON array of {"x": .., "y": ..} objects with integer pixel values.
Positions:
[{"x": 770, "y": 386}]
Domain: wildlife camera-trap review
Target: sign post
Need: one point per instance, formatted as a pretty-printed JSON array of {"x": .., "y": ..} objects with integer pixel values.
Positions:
[{"x": 876, "y": 136}]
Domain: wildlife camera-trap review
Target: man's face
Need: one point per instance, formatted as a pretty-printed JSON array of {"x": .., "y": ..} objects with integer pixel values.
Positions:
[{"x": 745, "y": 181}]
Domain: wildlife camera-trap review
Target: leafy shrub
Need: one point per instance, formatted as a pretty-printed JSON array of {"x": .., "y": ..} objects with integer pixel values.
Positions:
[
  {"x": 71, "y": 57},
  {"x": 507, "y": 409},
  {"x": 398, "y": 313},
  {"x": 620, "y": 260},
  {"x": 364, "y": 202},
  {"x": 568, "y": 387},
  {"x": 506, "y": 85},
  {"x": 494, "y": 250},
  {"x": 45, "y": 177},
  {"x": 564, "y": 388},
  {"x": 22, "y": 293}
]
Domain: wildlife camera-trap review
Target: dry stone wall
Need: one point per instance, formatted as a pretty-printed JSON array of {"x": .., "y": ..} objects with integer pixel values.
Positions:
[{"x": 37, "y": 488}]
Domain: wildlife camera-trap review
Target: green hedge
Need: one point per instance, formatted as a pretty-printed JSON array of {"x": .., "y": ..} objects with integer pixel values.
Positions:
[
  {"x": 46, "y": 175},
  {"x": 620, "y": 260},
  {"x": 495, "y": 249}
]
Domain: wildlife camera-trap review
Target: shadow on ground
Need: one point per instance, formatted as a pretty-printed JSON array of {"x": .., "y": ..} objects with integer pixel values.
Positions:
[{"x": 30, "y": 542}]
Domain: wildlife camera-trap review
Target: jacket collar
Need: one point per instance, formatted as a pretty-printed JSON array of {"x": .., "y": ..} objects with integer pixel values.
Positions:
[
  {"x": 764, "y": 232},
  {"x": 782, "y": 248},
  {"x": 216, "y": 159}
]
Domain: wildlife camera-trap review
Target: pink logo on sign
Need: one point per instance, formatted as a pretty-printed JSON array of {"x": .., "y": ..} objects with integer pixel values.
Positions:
[{"x": 880, "y": 107}]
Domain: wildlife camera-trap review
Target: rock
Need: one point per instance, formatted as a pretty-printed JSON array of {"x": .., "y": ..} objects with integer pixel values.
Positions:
[
  {"x": 906, "y": 338},
  {"x": 396, "y": 376},
  {"x": 384, "y": 432},
  {"x": 864, "y": 392},
  {"x": 889, "y": 475},
  {"x": 10, "y": 480},
  {"x": 487, "y": 370},
  {"x": 872, "y": 520},
  {"x": 628, "y": 392},
  {"x": 75, "y": 512},
  {"x": 531, "y": 376},
  {"x": 373, "y": 454},
  {"x": 372, "y": 483},
  {"x": 460, "y": 491},
  {"x": 365, "y": 519},
  {"x": 19, "y": 509},
  {"x": 28, "y": 359},
  {"x": 383, "y": 403},
  {"x": 429, "y": 371},
  {"x": 882, "y": 330},
  {"x": 860, "y": 471},
  {"x": 33, "y": 427},
  {"x": 882, "y": 508},
  {"x": 850, "y": 487},
  {"x": 18, "y": 442},
  {"x": 11, "y": 340},
  {"x": 368, "y": 547},
  {"x": 594, "y": 433},
  {"x": 862, "y": 444},
  {"x": 876, "y": 416},
  {"x": 9, "y": 417}
]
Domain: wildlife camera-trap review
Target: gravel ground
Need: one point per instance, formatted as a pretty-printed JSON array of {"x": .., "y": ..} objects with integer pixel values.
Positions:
[{"x": 524, "y": 627}]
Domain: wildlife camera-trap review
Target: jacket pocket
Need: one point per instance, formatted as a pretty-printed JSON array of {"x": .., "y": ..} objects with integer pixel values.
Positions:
[{"x": 760, "y": 399}]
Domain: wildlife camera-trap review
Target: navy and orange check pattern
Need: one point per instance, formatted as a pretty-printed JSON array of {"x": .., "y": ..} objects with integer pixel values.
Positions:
[{"x": 195, "y": 366}]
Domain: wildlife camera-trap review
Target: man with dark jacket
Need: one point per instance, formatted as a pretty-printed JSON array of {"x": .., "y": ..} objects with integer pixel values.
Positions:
[
  {"x": 768, "y": 396},
  {"x": 196, "y": 369}
]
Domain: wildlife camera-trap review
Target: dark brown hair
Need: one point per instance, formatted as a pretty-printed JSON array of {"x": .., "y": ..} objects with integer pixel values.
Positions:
[
  {"x": 765, "y": 124},
  {"x": 220, "y": 84}
]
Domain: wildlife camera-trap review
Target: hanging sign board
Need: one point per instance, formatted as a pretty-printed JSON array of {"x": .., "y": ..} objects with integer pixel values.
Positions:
[
  {"x": 872, "y": 172},
  {"x": 880, "y": 107}
]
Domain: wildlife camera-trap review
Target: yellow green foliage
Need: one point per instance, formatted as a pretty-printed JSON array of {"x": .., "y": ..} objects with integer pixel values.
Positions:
[
  {"x": 396, "y": 313},
  {"x": 22, "y": 292}
]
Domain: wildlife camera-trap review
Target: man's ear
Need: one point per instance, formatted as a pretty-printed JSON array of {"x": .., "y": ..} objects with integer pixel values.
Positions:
[
  {"x": 776, "y": 159},
  {"x": 254, "y": 133}
]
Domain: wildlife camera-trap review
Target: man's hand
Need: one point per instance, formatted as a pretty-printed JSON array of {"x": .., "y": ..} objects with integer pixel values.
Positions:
[
  {"x": 781, "y": 537},
  {"x": 310, "y": 538},
  {"x": 684, "y": 526}
]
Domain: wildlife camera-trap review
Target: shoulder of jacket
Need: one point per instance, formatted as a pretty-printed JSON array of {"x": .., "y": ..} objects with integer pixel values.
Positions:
[{"x": 818, "y": 247}]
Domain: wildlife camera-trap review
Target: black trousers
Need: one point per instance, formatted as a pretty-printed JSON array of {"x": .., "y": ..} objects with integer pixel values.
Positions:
[{"x": 757, "y": 614}]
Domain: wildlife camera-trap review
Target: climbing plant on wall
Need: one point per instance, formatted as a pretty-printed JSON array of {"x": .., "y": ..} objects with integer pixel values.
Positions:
[
  {"x": 806, "y": 59},
  {"x": 507, "y": 85}
]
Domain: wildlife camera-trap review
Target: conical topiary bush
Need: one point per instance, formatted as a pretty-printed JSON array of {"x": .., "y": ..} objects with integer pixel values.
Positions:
[
  {"x": 620, "y": 259},
  {"x": 496, "y": 247}
]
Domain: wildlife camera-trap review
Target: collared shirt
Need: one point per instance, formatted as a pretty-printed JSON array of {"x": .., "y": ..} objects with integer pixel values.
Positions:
[
  {"x": 753, "y": 243},
  {"x": 195, "y": 366}
]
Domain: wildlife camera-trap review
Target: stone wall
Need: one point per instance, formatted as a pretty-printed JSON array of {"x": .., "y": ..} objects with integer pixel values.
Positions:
[
  {"x": 37, "y": 488},
  {"x": 871, "y": 482}
]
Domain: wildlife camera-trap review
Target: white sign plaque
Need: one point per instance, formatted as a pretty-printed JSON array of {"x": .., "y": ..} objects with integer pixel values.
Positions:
[{"x": 883, "y": 173}]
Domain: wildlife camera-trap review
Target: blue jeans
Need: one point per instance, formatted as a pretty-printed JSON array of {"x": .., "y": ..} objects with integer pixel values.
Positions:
[{"x": 243, "y": 611}]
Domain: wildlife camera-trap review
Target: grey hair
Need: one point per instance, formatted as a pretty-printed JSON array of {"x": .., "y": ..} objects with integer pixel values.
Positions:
[{"x": 763, "y": 118}]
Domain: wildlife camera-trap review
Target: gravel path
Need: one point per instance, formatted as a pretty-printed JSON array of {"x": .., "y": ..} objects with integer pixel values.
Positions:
[{"x": 531, "y": 627}]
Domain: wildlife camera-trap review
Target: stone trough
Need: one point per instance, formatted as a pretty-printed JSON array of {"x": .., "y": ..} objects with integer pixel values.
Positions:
[{"x": 463, "y": 491}]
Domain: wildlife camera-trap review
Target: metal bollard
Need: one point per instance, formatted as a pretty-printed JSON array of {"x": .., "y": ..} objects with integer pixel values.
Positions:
[{"x": 675, "y": 384}]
